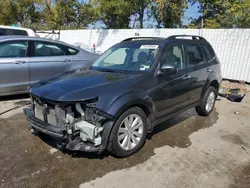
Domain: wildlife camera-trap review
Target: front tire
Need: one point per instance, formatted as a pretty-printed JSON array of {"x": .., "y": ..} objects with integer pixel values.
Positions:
[
  {"x": 129, "y": 133},
  {"x": 207, "y": 102}
]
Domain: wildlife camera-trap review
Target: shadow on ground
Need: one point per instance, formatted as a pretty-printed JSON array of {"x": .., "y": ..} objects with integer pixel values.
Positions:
[
  {"x": 26, "y": 160},
  {"x": 14, "y": 97}
]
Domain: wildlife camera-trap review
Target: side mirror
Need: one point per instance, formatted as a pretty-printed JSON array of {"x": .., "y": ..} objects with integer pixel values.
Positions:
[{"x": 168, "y": 69}]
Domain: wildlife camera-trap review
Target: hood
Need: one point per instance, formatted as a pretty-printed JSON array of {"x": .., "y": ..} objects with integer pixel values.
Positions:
[{"x": 87, "y": 84}]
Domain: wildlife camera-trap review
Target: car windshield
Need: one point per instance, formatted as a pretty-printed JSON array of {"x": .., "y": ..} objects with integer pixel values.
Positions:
[{"x": 127, "y": 57}]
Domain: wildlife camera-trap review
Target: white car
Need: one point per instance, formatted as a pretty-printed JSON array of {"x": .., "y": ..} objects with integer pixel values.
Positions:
[{"x": 10, "y": 30}]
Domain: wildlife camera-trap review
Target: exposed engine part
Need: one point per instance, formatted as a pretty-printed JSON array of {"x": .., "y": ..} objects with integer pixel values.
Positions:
[
  {"x": 81, "y": 123},
  {"x": 89, "y": 132},
  {"x": 38, "y": 111},
  {"x": 69, "y": 115},
  {"x": 79, "y": 109},
  {"x": 60, "y": 116},
  {"x": 69, "y": 131}
]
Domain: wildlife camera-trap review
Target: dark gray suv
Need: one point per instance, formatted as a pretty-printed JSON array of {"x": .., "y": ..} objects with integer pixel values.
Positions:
[{"x": 133, "y": 86}]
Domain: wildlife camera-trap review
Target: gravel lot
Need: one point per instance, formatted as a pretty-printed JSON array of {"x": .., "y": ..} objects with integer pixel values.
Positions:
[{"x": 187, "y": 151}]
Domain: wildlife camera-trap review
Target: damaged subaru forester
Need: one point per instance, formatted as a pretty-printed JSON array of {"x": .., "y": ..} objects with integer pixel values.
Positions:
[{"x": 133, "y": 86}]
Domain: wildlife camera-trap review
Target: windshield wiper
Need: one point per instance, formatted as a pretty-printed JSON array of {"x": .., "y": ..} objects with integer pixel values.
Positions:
[{"x": 110, "y": 70}]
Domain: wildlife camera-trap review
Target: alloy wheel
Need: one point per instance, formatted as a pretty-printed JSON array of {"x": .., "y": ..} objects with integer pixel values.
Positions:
[
  {"x": 210, "y": 101},
  {"x": 130, "y": 132}
]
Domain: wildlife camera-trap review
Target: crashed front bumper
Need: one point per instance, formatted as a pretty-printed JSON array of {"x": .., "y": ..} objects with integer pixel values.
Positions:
[
  {"x": 71, "y": 142},
  {"x": 51, "y": 130}
]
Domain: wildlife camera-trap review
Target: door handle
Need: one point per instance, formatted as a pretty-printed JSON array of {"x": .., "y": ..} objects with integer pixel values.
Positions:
[
  {"x": 186, "y": 77},
  {"x": 67, "y": 60},
  {"x": 209, "y": 69},
  {"x": 19, "y": 62}
]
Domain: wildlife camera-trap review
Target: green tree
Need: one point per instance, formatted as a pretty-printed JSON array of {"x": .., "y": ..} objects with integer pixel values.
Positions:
[
  {"x": 223, "y": 14},
  {"x": 68, "y": 14},
  {"x": 168, "y": 13},
  {"x": 138, "y": 9},
  {"x": 23, "y": 12},
  {"x": 115, "y": 14},
  {"x": 240, "y": 14}
]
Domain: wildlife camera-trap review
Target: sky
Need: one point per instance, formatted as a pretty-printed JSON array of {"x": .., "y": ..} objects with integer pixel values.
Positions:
[{"x": 192, "y": 11}]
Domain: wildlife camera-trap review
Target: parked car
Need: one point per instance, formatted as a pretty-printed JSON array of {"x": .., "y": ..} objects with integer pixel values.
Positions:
[
  {"x": 25, "y": 60},
  {"x": 130, "y": 88},
  {"x": 9, "y": 30}
]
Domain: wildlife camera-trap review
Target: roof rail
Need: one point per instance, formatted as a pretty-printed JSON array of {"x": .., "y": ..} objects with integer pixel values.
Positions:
[
  {"x": 194, "y": 37},
  {"x": 141, "y": 38}
]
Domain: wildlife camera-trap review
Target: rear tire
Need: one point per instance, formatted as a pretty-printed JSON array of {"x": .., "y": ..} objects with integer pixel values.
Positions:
[
  {"x": 207, "y": 102},
  {"x": 129, "y": 133}
]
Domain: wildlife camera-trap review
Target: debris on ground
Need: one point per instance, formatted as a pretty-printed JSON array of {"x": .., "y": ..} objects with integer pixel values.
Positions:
[
  {"x": 234, "y": 92},
  {"x": 246, "y": 114},
  {"x": 244, "y": 149},
  {"x": 234, "y": 95},
  {"x": 225, "y": 84}
]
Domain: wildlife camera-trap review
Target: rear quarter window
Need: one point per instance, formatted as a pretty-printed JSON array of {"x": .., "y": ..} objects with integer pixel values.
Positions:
[
  {"x": 69, "y": 50},
  {"x": 72, "y": 51},
  {"x": 209, "y": 52}
]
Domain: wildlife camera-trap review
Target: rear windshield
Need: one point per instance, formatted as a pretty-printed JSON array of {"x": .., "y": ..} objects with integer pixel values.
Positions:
[{"x": 4, "y": 32}]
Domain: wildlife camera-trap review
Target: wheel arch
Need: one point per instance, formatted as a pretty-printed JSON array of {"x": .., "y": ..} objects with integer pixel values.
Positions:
[
  {"x": 130, "y": 100},
  {"x": 132, "y": 104},
  {"x": 212, "y": 80},
  {"x": 215, "y": 84},
  {"x": 123, "y": 103}
]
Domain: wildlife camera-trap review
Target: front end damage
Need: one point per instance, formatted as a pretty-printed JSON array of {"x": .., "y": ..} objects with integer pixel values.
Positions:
[{"x": 79, "y": 125}]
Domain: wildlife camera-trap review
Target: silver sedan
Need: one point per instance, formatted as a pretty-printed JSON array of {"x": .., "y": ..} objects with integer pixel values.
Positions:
[{"x": 26, "y": 60}]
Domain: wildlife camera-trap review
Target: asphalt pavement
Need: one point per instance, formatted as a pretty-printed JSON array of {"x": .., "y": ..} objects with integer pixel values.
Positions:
[{"x": 186, "y": 151}]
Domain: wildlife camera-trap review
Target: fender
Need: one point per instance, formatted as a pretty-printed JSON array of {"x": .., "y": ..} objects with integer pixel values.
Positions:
[
  {"x": 127, "y": 100},
  {"x": 118, "y": 106},
  {"x": 212, "y": 79}
]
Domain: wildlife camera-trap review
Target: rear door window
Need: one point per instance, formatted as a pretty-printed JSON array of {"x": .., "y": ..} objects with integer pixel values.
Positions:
[
  {"x": 194, "y": 54},
  {"x": 43, "y": 49},
  {"x": 13, "y": 49}
]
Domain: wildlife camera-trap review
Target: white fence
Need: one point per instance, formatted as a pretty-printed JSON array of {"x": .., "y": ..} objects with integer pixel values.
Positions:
[{"x": 232, "y": 46}]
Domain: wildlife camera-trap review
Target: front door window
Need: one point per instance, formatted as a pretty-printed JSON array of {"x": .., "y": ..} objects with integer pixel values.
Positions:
[{"x": 13, "y": 49}]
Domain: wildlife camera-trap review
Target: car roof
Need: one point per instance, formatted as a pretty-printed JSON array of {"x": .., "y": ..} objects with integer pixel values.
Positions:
[
  {"x": 30, "y": 32},
  {"x": 21, "y": 37},
  {"x": 163, "y": 40},
  {"x": 144, "y": 40},
  {"x": 16, "y": 28}
]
